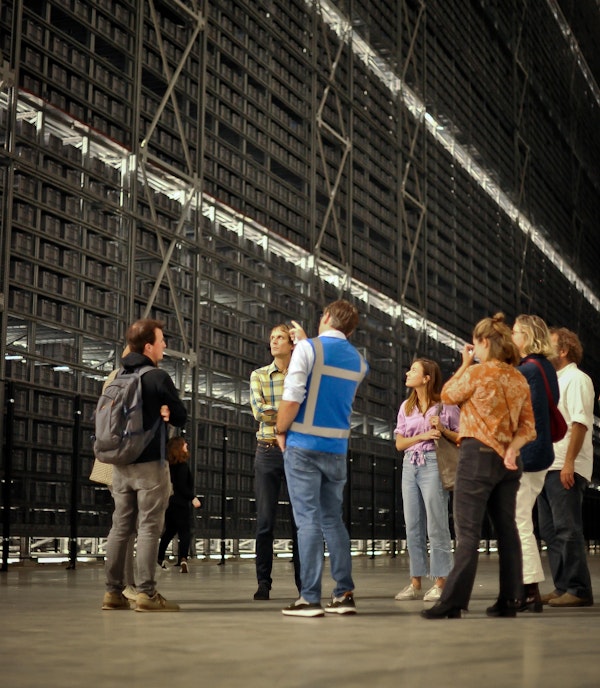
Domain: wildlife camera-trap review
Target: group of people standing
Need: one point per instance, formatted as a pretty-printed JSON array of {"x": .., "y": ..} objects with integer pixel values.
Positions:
[
  {"x": 507, "y": 463},
  {"x": 496, "y": 406},
  {"x": 499, "y": 412}
]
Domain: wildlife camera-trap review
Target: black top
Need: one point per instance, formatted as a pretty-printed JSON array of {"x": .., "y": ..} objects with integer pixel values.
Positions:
[
  {"x": 539, "y": 454},
  {"x": 183, "y": 485},
  {"x": 157, "y": 389}
]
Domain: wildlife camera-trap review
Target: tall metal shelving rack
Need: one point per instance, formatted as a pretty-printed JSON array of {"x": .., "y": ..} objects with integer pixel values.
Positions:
[{"x": 228, "y": 165}]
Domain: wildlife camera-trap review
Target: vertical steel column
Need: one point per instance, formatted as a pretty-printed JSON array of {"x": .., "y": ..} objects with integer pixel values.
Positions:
[
  {"x": 75, "y": 473},
  {"x": 373, "y": 504},
  {"x": 8, "y": 91},
  {"x": 7, "y": 473},
  {"x": 224, "y": 497},
  {"x": 394, "y": 508}
]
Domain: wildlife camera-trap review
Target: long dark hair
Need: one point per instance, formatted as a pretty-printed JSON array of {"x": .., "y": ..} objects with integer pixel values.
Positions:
[
  {"x": 175, "y": 450},
  {"x": 434, "y": 385}
]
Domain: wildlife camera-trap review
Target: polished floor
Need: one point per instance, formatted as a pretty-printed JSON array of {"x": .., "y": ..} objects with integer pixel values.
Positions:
[{"x": 54, "y": 634}]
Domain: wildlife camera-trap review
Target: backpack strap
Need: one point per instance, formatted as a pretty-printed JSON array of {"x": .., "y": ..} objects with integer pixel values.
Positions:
[{"x": 159, "y": 421}]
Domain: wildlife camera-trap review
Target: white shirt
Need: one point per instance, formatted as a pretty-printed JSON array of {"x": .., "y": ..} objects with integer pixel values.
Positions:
[
  {"x": 577, "y": 406},
  {"x": 303, "y": 359}
]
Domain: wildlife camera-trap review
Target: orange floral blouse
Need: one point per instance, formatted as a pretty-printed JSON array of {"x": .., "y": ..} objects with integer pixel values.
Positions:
[{"x": 495, "y": 404}]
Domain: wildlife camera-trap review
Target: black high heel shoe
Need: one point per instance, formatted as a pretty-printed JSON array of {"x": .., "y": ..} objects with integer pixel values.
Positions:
[
  {"x": 442, "y": 610},
  {"x": 504, "y": 608}
]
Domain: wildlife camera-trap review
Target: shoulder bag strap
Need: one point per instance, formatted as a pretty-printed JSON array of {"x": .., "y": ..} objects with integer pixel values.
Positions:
[{"x": 546, "y": 384}]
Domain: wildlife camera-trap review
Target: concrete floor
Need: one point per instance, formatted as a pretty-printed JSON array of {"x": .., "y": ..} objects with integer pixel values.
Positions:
[{"x": 54, "y": 634}]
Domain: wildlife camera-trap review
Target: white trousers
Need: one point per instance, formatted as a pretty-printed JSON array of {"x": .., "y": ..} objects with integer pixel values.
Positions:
[{"x": 529, "y": 489}]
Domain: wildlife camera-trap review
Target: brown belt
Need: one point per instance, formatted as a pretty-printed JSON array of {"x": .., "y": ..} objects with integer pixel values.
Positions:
[{"x": 268, "y": 443}]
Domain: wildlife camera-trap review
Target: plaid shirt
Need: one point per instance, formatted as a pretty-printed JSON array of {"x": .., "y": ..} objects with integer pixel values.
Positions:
[{"x": 266, "y": 388}]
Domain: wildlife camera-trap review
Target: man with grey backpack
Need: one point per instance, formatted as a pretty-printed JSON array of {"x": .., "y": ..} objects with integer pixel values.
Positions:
[{"x": 141, "y": 483}]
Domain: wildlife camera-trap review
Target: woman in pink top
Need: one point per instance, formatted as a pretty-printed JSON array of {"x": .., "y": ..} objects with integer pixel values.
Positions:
[
  {"x": 496, "y": 421},
  {"x": 422, "y": 418}
]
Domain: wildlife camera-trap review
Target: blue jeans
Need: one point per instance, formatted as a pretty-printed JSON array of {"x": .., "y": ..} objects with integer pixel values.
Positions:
[
  {"x": 561, "y": 528},
  {"x": 141, "y": 493},
  {"x": 268, "y": 477},
  {"x": 483, "y": 482},
  {"x": 316, "y": 485},
  {"x": 426, "y": 515}
]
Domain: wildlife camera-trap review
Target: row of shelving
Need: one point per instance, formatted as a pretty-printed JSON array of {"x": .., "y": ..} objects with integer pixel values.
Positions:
[
  {"x": 240, "y": 521},
  {"x": 55, "y": 259},
  {"x": 59, "y": 313},
  {"x": 548, "y": 106},
  {"x": 45, "y": 281},
  {"x": 232, "y": 182},
  {"x": 263, "y": 31},
  {"x": 79, "y": 83},
  {"x": 284, "y": 207}
]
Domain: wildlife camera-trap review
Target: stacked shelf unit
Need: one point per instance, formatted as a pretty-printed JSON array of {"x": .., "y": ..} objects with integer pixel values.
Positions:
[{"x": 226, "y": 166}]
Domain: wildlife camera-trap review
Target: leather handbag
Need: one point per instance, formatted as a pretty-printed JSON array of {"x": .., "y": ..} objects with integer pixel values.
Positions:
[
  {"x": 447, "y": 459},
  {"x": 558, "y": 424}
]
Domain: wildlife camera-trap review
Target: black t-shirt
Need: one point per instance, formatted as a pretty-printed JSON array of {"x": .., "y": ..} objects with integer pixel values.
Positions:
[{"x": 157, "y": 389}]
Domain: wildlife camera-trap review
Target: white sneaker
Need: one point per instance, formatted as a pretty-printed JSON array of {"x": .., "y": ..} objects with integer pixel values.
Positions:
[
  {"x": 163, "y": 565},
  {"x": 433, "y": 595},
  {"x": 130, "y": 592},
  {"x": 409, "y": 593},
  {"x": 184, "y": 566}
]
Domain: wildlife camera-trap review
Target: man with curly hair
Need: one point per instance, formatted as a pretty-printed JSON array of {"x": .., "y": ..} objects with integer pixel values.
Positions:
[{"x": 560, "y": 502}]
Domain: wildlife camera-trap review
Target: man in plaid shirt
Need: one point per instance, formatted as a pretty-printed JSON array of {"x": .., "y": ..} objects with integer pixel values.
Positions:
[{"x": 266, "y": 388}]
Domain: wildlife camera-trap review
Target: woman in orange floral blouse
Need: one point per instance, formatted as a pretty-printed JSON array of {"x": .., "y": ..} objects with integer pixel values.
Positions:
[{"x": 496, "y": 420}]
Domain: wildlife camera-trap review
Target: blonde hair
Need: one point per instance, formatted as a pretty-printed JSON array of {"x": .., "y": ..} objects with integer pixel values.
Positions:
[
  {"x": 499, "y": 335},
  {"x": 284, "y": 328},
  {"x": 536, "y": 335}
]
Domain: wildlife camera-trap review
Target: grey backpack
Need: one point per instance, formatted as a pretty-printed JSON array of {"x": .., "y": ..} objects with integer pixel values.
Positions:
[{"x": 119, "y": 436}]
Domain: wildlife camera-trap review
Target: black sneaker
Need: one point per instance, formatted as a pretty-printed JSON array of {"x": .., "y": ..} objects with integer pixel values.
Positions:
[
  {"x": 303, "y": 608},
  {"x": 342, "y": 605},
  {"x": 262, "y": 593}
]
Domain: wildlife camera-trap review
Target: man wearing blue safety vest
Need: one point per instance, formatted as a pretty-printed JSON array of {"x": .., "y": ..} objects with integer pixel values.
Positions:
[{"x": 313, "y": 428}]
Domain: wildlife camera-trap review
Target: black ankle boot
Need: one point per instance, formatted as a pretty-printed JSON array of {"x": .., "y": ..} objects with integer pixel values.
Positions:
[
  {"x": 442, "y": 610},
  {"x": 531, "y": 602},
  {"x": 504, "y": 608}
]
